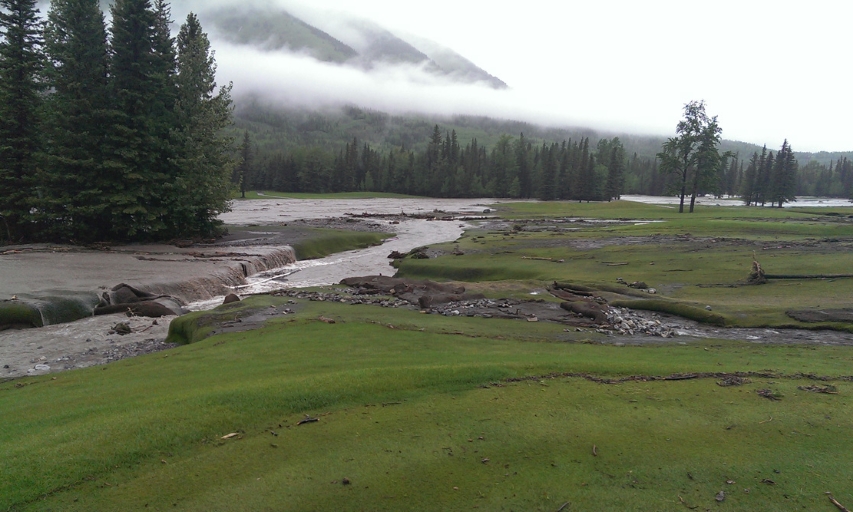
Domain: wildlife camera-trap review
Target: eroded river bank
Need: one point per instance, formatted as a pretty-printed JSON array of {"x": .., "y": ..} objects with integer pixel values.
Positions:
[
  {"x": 202, "y": 274},
  {"x": 266, "y": 228}
]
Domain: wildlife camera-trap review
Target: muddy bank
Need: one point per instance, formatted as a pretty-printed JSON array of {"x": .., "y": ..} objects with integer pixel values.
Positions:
[
  {"x": 88, "y": 342},
  {"x": 201, "y": 273}
]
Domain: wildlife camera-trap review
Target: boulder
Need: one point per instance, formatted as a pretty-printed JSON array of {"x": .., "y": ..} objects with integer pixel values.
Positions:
[
  {"x": 150, "y": 309},
  {"x": 231, "y": 297}
]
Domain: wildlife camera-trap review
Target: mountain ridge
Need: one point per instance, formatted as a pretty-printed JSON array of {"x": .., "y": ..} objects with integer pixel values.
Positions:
[{"x": 347, "y": 41}]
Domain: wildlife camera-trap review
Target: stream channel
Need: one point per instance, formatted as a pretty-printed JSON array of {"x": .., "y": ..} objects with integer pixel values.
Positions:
[{"x": 64, "y": 346}]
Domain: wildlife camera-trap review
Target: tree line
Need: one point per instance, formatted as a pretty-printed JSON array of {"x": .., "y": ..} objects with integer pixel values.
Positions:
[
  {"x": 689, "y": 165},
  {"x": 109, "y": 134},
  {"x": 513, "y": 168}
]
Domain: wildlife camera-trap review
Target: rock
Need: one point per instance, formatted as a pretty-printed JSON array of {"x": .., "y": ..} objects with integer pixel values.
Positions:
[
  {"x": 231, "y": 297},
  {"x": 42, "y": 368},
  {"x": 708, "y": 308},
  {"x": 122, "y": 328},
  {"x": 126, "y": 294},
  {"x": 150, "y": 309},
  {"x": 640, "y": 285},
  {"x": 721, "y": 496}
]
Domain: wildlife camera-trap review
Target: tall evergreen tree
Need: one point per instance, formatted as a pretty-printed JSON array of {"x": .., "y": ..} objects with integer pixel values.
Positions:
[
  {"x": 203, "y": 147},
  {"x": 615, "y": 171},
  {"x": 784, "y": 176},
  {"x": 135, "y": 188},
  {"x": 162, "y": 113},
  {"x": 77, "y": 63},
  {"x": 21, "y": 63},
  {"x": 243, "y": 171},
  {"x": 750, "y": 176}
]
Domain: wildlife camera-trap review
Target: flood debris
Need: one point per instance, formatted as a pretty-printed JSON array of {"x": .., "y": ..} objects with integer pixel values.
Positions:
[
  {"x": 835, "y": 502},
  {"x": 307, "y": 419},
  {"x": 733, "y": 380},
  {"x": 769, "y": 394},
  {"x": 828, "y": 389},
  {"x": 757, "y": 275}
]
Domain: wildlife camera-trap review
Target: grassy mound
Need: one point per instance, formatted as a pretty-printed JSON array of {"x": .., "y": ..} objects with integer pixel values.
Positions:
[
  {"x": 19, "y": 313},
  {"x": 48, "y": 309},
  {"x": 329, "y": 241},
  {"x": 426, "y": 411}
]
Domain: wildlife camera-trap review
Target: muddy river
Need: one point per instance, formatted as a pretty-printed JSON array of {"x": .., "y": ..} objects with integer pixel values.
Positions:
[
  {"x": 52, "y": 270},
  {"x": 89, "y": 341}
]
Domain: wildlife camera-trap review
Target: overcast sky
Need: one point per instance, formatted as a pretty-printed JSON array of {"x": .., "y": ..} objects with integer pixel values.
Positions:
[{"x": 769, "y": 69}]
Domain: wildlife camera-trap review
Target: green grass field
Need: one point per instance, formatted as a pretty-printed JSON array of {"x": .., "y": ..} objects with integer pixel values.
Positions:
[
  {"x": 415, "y": 411},
  {"x": 699, "y": 260},
  {"x": 425, "y": 412}
]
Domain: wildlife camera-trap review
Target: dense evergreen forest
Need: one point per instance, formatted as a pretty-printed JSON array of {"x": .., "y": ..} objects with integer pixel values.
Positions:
[
  {"x": 121, "y": 133},
  {"x": 305, "y": 151},
  {"x": 109, "y": 135}
]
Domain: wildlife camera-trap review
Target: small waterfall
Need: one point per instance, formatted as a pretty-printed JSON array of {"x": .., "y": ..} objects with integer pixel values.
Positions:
[
  {"x": 223, "y": 282},
  {"x": 52, "y": 307},
  {"x": 56, "y": 307}
]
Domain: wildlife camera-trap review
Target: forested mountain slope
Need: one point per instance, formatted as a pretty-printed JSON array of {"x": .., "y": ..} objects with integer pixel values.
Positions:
[
  {"x": 281, "y": 129},
  {"x": 343, "y": 40}
]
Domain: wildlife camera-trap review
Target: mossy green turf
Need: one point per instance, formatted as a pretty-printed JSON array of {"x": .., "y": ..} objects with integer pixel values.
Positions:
[
  {"x": 402, "y": 408},
  {"x": 701, "y": 259},
  {"x": 324, "y": 242}
]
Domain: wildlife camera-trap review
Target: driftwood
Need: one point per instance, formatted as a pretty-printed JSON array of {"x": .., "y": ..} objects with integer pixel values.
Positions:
[
  {"x": 588, "y": 309},
  {"x": 808, "y": 276},
  {"x": 756, "y": 276},
  {"x": 840, "y": 507}
]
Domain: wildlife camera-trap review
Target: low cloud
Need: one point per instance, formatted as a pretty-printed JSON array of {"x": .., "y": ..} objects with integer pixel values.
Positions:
[
  {"x": 294, "y": 79},
  {"x": 634, "y": 77}
]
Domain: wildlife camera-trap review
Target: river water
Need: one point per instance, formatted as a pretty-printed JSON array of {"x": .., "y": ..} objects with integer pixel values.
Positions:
[
  {"x": 86, "y": 342},
  {"x": 371, "y": 261},
  {"x": 802, "y": 202}
]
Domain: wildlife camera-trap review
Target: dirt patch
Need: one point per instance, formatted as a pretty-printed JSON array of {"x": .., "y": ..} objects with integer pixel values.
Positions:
[{"x": 89, "y": 342}]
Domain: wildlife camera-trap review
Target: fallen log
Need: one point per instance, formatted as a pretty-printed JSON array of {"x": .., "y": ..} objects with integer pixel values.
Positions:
[
  {"x": 808, "y": 276},
  {"x": 839, "y": 506}
]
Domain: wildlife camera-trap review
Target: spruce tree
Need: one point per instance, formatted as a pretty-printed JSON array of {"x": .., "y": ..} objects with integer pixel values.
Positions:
[
  {"x": 243, "y": 171},
  {"x": 21, "y": 64},
  {"x": 77, "y": 62},
  {"x": 750, "y": 177},
  {"x": 202, "y": 147},
  {"x": 138, "y": 179},
  {"x": 784, "y": 176},
  {"x": 615, "y": 170}
]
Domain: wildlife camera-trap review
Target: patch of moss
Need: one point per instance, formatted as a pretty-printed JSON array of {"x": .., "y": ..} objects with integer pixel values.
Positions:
[{"x": 331, "y": 241}]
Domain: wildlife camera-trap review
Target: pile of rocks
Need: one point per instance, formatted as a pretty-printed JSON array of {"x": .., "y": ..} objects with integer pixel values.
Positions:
[
  {"x": 138, "y": 348},
  {"x": 349, "y": 296},
  {"x": 445, "y": 300},
  {"x": 628, "y": 323}
]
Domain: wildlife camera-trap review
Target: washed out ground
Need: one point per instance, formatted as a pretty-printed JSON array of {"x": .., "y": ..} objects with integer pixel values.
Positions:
[
  {"x": 439, "y": 411},
  {"x": 427, "y": 412}
]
